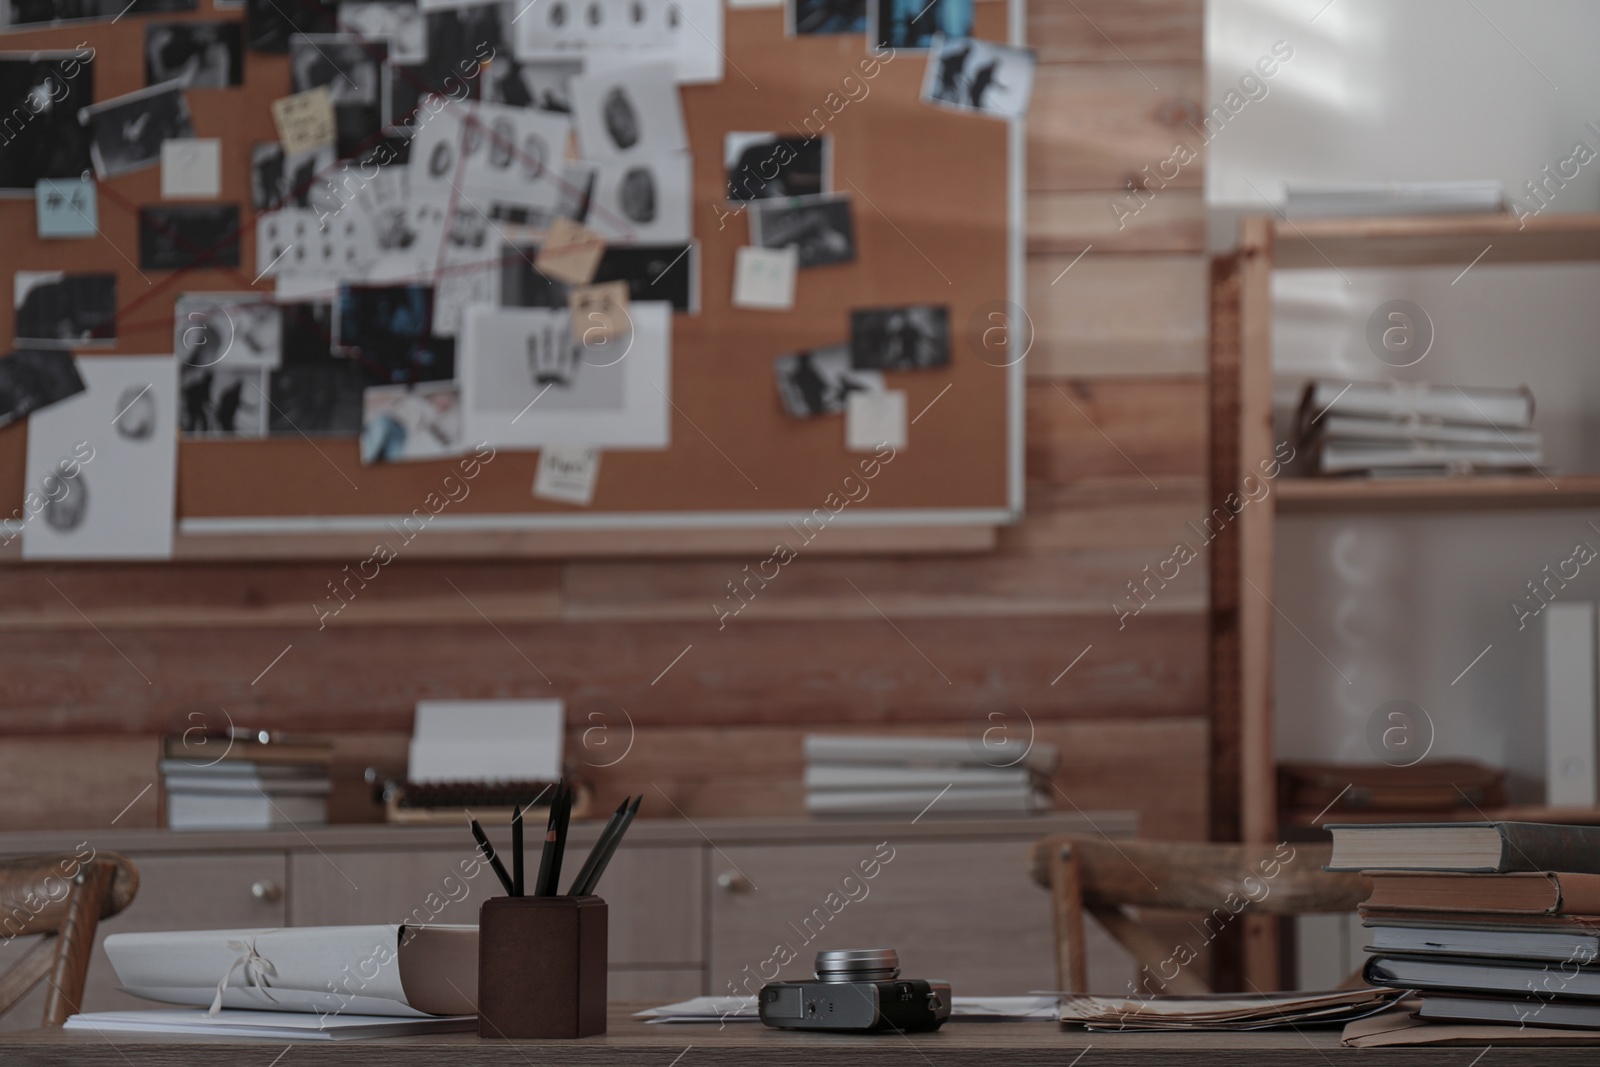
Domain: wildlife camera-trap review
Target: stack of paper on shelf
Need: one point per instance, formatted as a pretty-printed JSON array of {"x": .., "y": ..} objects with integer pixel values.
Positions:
[
  {"x": 1366, "y": 199},
  {"x": 1494, "y": 922},
  {"x": 236, "y": 784},
  {"x": 848, "y": 775},
  {"x": 1415, "y": 428}
]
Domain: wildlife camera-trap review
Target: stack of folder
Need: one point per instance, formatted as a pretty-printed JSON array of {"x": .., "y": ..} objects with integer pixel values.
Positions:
[
  {"x": 236, "y": 783},
  {"x": 850, "y": 775},
  {"x": 1490, "y": 922}
]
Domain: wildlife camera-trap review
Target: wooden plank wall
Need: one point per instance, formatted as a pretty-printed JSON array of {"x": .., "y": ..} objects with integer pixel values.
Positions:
[{"x": 100, "y": 659}]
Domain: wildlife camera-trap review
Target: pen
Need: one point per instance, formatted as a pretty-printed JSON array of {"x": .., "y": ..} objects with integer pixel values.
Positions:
[
  {"x": 599, "y": 847},
  {"x": 488, "y": 854},
  {"x": 541, "y": 886},
  {"x": 611, "y": 848},
  {"x": 516, "y": 851}
]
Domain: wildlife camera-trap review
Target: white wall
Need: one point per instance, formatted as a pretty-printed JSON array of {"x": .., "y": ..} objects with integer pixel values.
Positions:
[{"x": 1424, "y": 89}]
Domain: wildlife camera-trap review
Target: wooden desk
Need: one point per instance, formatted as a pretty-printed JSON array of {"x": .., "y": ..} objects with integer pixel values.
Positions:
[{"x": 630, "y": 1042}]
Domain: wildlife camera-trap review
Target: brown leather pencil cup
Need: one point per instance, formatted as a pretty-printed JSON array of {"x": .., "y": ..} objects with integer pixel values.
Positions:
[{"x": 542, "y": 967}]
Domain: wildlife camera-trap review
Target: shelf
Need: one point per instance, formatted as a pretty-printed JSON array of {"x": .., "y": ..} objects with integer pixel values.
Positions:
[
  {"x": 1465, "y": 493},
  {"x": 1434, "y": 241}
]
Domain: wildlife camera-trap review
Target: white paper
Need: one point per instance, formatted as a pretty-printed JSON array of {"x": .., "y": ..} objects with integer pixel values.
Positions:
[
  {"x": 487, "y": 741},
  {"x": 567, "y": 474},
  {"x": 606, "y": 34},
  {"x": 526, "y": 383},
  {"x": 122, "y": 435},
  {"x": 763, "y": 278},
  {"x": 644, "y": 200},
  {"x": 191, "y": 169},
  {"x": 874, "y": 419},
  {"x": 628, "y": 112}
]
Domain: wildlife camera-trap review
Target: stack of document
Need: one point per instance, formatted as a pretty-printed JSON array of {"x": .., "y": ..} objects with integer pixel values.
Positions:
[
  {"x": 850, "y": 775},
  {"x": 1412, "y": 428},
  {"x": 1367, "y": 199},
  {"x": 237, "y": 784},
  {"x": 1225, "y": 1011},
  {"x": 743, "y": 1009}
]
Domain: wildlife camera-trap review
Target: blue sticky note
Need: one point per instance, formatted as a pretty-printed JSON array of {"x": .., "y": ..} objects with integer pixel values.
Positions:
[{"x": 67, "y": 207}]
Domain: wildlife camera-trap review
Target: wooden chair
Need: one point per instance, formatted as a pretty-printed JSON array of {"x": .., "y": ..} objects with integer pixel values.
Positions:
[
  {"x": 63, "y": 898},
  {"x": 1105, "y": 878}
]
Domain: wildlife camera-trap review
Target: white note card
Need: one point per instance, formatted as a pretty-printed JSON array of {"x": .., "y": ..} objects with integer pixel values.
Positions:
[
  {"x": 567, "y": 474},
  {"x": 763, "y": 278},
  {"x": 191, "y": 168},
  {"x": 874, "y": 419}
]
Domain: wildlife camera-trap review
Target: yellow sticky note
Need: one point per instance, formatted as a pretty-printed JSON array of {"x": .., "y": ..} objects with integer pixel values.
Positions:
[
  {"x": 570, "y": 252},
  {"x": 305, "y": 120},
  {"x": 599, "y": 312}
]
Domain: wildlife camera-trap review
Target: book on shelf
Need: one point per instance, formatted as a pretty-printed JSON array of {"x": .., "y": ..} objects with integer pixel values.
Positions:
[
  {"x": 1499, "y": 942},
  {"x": 1508, "y": 408},
  {"x": 1473, "y": 974},
  {"x": 1521, "y": 1011},
  {"x": 1420, "y": 457},
  {"x": 936, "y": 801},
  {"x": 1518, "y": 893},
  {"x": 1370, "y": 199},
  {"x": 244, "y": 811},
  {"x": 1491, "y": 847},
  {"x": 931, "y": 752},
  {"x": 1484, "y": 920}
]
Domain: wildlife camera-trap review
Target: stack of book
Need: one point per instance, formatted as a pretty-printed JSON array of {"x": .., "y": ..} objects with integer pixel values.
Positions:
[
  {"x": 849, "y": 775},
  {"x": 1368, "y": 199},
  {"x": 235, "y": 783},
  {"x": 1413, "y": 428},
  {"x": 1492, "y": 922}
]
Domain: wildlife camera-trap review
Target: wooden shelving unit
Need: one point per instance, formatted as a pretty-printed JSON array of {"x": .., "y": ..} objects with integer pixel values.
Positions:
[{"x": 1243, "y": 802}]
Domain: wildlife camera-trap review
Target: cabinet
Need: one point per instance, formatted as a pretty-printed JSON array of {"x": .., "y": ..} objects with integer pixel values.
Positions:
[{"x": 691, "y": 905}]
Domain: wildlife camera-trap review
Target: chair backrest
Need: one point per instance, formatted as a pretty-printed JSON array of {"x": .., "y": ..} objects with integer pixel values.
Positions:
[
  {"x": 62, "y": 897},
  {"x": 1102, "y": 877}
]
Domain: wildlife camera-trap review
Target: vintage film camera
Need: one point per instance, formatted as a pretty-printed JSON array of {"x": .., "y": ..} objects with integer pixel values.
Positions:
[{"x": 856, "y": 989}]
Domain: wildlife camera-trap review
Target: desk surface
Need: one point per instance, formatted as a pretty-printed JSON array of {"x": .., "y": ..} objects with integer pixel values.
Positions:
[{"x": 632, "y": 1042}]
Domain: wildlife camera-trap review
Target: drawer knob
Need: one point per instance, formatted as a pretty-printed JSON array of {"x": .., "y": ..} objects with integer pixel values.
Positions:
[
  {"x": 732, "y": 882},
  {"x": 266, "y": 891}
]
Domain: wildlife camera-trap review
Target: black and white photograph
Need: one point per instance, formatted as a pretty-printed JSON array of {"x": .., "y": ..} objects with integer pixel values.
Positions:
[
  {"x": 544, "y": 84},
  {"x": 199, "y": 55},
  {"x": 38, "y": 14},
  {"x": 227, "y": 329},
  {"x": 178, "y": 238},
  {"x": 686, "y": 33},
  {"x": 120, "y": 436},
  {"x": 815, "y": 17},
  {"x": 32, "y": 378},
  {"x": 270, "y": 23},
  {"x": 980, "y": 77},
  {"x": 818, "y": 381},
  {"x": 397, "y": 22},
  {"x": 628, "y": 112},
  {"x": 43, "y": 137},
  {"x": 644, "y": 200},
  {"x": 821, "y": 227},
  {"x": 387, "y": 329},
  {"x": 126, "y": 132},
  {"x": 512, "y": 156},
  {"x": 604, "y": 394},
  {"x": 279, "y": 180},
  {"x": 900, "y": 338},
  {"x": 915, "y": 23},
  {"x": 57, "y": 310},
  {"x": 314, "y": 392},
  {"x": 411, "y": 422},
  {"x": 349, "y": 68},
  {"x": 669, "y": 273},
  {"x": 223, "y": 400},
  {"x": 766, "y": 166}
]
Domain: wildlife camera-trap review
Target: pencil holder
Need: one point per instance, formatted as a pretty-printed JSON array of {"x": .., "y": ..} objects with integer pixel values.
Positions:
[{"x": 542, "y": 967}]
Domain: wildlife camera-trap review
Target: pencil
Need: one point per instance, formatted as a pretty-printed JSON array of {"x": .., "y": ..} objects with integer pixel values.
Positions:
[
  {"x": 516, "y": 850},
  {"x": 541, "y": 886},
  {"x": 599, "y": 847},
  {"x": 611, "y": 848},
  {"x": 561, "y": 844},
  {"x": 488, "y": 854}
]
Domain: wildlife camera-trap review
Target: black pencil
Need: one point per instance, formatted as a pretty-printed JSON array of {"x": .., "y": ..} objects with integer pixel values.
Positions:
[
  {"x": 541, "y": 886},
  {"x": 488, "y": 854},
  {"x": 598, "y": 848},
  {"x": 565, "y": 817},
  {"x": 611, "y": 849},
  {"x": 516, "y": 850}
]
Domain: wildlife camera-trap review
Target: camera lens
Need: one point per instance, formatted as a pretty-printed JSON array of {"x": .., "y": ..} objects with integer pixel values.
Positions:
[{"x": 858, "y": 965}]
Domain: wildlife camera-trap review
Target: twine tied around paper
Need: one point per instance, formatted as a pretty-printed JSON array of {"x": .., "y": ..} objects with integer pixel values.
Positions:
[{"x": 257, "y": 969}]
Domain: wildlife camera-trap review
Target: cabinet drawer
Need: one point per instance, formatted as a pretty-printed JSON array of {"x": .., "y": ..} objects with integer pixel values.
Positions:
[
  {"x": 654, "y": 894},
  {"x": 966, "y": 912},
  {"x": 235, "y": 890}
]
